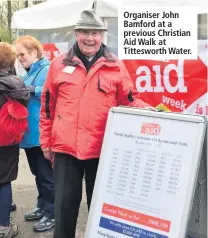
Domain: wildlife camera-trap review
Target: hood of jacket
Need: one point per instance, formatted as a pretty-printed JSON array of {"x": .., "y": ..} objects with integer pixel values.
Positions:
[{"x": 12, "y": 86}]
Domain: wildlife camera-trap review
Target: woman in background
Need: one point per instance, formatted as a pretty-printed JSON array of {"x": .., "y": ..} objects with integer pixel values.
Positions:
[{"x": 30, "y": 55}]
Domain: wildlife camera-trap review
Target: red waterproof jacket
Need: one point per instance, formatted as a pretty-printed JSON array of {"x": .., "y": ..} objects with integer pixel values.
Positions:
[{"x": 75, "y": 104}]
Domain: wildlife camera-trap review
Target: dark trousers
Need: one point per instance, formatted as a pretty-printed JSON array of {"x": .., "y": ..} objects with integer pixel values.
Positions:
[
  {"x": 41, "y": 168},
  {"x": 68, "y": 177},
  {"x": 5, "y": 203}
]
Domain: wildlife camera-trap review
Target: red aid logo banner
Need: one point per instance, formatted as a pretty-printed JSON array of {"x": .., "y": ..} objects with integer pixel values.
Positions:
[
  {"x": 176, "y": 84},
  {"x": 50, "y": 51}
]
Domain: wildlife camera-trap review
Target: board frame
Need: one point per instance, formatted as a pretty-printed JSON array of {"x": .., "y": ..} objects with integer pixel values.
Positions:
[{"x": 164, "y": 115}]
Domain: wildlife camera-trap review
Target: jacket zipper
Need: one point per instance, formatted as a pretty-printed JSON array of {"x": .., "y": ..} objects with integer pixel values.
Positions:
[{"x": 47, "y": 102}]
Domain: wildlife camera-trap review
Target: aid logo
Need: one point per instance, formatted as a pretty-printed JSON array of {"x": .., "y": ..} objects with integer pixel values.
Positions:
[{"x": 150, "y": 128}]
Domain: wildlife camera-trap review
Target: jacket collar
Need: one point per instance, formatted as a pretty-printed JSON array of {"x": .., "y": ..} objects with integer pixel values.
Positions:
[
  {"x": 38, "y": 64},
  {"x": 71, "y": 61},
  {"x": 3, "y": 73}
]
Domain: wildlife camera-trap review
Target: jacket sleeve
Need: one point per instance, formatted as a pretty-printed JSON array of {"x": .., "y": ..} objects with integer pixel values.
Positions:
[
  {"x": 48, "y": 103},
  {"x": 127, "y": 94},
  {"x": 43, "y": 75}
]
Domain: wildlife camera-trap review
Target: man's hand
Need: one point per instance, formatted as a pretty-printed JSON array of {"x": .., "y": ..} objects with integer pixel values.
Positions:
[{"x": 47, "y": 153}]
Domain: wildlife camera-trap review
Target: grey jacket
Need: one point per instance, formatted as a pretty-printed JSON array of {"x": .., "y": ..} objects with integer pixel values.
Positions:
[{"x": 13, "y": 87}]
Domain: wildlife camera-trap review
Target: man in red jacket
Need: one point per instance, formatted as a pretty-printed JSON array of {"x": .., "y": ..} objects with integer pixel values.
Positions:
[{"x": 80, "y": 88}]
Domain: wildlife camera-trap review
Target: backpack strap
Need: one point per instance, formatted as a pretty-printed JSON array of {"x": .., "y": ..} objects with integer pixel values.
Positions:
[
  {"x": 8, "y": 98},
  {"x": 3, "y": 100}
]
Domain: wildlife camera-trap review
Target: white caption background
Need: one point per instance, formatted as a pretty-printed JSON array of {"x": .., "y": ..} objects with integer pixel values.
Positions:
[{"x": 136, "y": 39}]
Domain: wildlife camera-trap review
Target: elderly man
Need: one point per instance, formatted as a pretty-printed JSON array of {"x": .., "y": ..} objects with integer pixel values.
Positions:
[{"x": 81, "y": 87}]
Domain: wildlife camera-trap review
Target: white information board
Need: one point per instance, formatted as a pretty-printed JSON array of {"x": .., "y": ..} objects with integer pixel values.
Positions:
[
  {"x": 147, "y": 175},
  {"x": 198, "y": 221}
]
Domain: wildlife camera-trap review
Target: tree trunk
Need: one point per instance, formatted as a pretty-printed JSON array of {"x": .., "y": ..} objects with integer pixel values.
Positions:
[
  {"x": 9, "y": 17},
  {"x": 26, "y": 4}
]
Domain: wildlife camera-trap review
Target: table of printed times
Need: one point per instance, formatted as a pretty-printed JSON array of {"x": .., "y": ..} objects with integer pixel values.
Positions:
[{"x": 142, "y": 173}]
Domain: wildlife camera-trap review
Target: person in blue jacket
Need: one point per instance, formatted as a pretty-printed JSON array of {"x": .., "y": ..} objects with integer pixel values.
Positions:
[{"x": 30, "y": 54}]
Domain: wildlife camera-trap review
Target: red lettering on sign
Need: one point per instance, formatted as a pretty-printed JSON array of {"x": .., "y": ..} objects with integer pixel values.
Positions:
[{"x": 150, "y": 128}]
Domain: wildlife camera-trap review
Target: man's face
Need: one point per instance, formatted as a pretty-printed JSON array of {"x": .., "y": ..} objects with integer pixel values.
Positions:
[{"x": 89, "y": 41}]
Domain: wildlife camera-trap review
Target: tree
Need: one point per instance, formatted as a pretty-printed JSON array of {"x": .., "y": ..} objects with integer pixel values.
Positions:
[
  {"x": 26, "y": 4},
  {"x": 9, "y": 19},
  {"x": 7, "y": 8}
]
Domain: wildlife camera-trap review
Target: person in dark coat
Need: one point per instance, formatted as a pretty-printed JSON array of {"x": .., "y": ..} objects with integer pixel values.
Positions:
[{"x": 10, "y": 87}]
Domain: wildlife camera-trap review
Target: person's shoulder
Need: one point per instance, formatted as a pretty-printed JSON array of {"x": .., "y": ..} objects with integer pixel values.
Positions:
[
  {"x": 14, "y": 78},
  {"x": 114, "y": 57},
  {"x": 44, "y": 63},
  {"x": 121, "y": 68},
  {"x": 117, "y": 61},
  {"x": 17, "y": 83},
  {"x": 110, "y": 56},
  {"x": 59, "y": 59},
  {"x": 57, "y": 63}
]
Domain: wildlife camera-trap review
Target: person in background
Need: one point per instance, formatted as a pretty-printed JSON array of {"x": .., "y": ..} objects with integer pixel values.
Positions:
[
  {"x": 80, "y": 88},
  {"x": 10, "y": 87},
  {"x": 30, "y": 55},
  {"x": 15, "y": 70}
]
